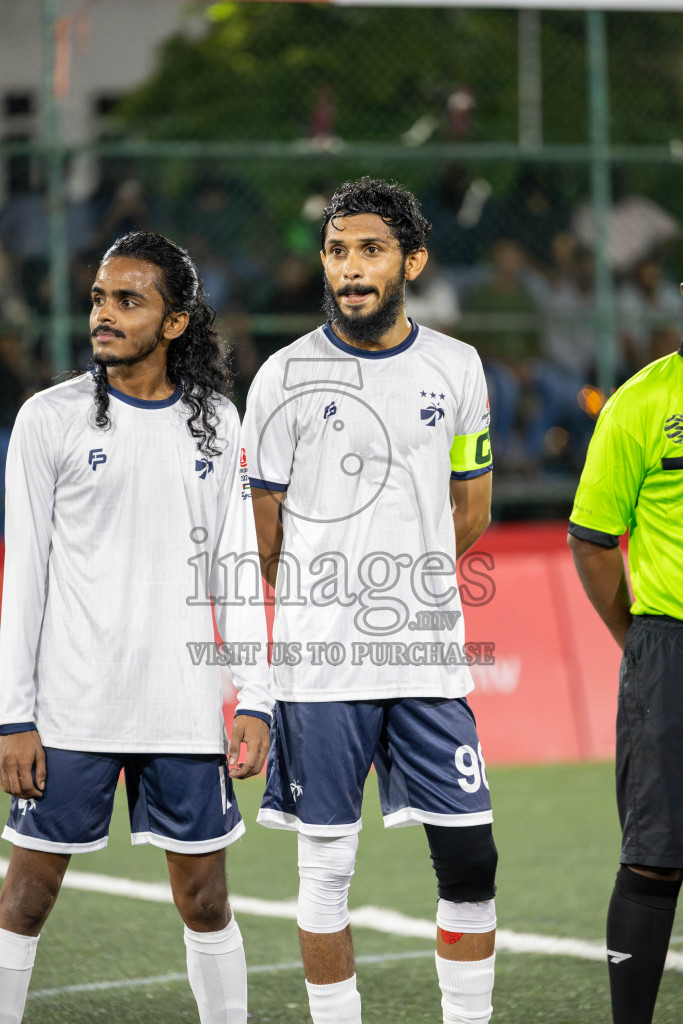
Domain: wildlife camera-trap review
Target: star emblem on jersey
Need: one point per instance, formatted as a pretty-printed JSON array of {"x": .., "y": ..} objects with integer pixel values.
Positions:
[
  {"x": 673, "y": 428},
  {"x": 433, "y": 413},
  {"x": 96, "y": 457},
  {"x": 203, "y": 467},
  {"x": 296, "y": 789}
]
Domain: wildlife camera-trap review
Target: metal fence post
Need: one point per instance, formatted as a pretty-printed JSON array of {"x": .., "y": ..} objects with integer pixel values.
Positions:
[
  {"x": 598, "y": 92},
  {"x": 60, "y": 347}
]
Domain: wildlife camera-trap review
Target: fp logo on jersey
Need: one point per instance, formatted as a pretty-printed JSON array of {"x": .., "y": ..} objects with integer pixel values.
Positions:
[{"x": 96, "y": 457}]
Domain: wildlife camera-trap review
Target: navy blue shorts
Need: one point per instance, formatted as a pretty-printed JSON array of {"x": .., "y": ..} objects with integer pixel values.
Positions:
[
  {"x": 179, "y": 802},
  {"x": 426, "y": 753}
]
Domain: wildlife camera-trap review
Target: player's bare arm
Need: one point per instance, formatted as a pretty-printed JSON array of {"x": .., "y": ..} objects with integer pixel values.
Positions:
[
  {"x": 254, "y": 733},
  {"x": 471, "y": 504},
  {"x": 266, "y": 505},
  {"x": 603, "y": 577},
  {"x": 22, "y": 764}
]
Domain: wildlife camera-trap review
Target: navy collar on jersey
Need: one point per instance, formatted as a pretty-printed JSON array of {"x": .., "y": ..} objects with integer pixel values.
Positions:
[
  {"x": 143, "y": 403},
  {"x": 364, "y": 353}
]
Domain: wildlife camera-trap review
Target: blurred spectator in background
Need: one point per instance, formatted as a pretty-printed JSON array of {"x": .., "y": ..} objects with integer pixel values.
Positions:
[
  {"x": 504, "y": 328},
  {"x": 15, "y": 387},
  {"x": 664, "y": 341},
  {"x": 535, "y": 212},
  {"x": 637, "y": 226},
  {"x": 25, "y": 235},
  {"x": 295, "y": 296},
  {"x": 432, "y": 300},
  {"x": 13, "y": 309},
  {"x": 464, "y": 218},
  {"x": 224, "y": 227},
  {"x": 122, "y": 207},
  {"x": 566, "y": 295},
  {"x": 646, "y": 303},
  {"x": 207, "y": 225}
]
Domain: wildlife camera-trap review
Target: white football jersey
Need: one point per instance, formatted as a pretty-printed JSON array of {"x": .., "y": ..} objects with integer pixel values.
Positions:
[
  {"x": 364, "y": 444},
  {"x": 114, "y": 539}
]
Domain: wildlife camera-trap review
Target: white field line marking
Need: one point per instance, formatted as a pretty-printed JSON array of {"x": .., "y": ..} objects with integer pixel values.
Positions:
[
  {"x": 166, "y": 979},
  {"x": 390, "y": 922}
]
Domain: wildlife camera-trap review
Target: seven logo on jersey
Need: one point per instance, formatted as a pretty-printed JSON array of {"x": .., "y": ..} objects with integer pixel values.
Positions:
[
  {"x": 330, "y": 410},
  {"x": 296, "y": 788},
  {"x": 433, "y": 413},
  {"x": 673, "y": 428},
  {"x": 203, "y": 467},
  {"x": 96, "y": 457}
]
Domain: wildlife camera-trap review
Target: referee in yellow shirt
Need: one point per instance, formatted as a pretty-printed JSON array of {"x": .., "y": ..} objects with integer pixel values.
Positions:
[{"x": 633, "y": 481}]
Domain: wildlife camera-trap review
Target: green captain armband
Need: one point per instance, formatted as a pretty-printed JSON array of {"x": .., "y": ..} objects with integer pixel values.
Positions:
[{"x": 471, "y": 453}]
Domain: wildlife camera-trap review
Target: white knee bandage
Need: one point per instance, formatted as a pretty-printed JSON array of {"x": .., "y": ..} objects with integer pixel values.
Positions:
[
  {"x": 325, "y": 870},
  {"x": 468, "y": 918}
]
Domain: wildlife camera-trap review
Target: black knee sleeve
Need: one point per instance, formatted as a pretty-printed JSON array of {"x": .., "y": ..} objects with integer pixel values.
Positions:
[
  {"x": 465, "y": 861},
  {"x": 650, "y": 892}
]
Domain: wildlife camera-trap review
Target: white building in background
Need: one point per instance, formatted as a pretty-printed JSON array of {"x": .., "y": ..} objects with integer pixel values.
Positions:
[{"x": 104, "y": 48}]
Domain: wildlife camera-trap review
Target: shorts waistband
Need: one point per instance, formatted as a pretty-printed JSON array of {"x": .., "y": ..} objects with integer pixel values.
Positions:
[{"x": 661, "y": 621}]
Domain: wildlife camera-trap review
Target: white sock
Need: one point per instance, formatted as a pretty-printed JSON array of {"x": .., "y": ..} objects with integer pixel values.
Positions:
[
  {"x": 17, "y": 955},
  {"x": 335, "y": 1004},
  {"x": 218, "y": 974},
  {"x": 466, "y": 987}
]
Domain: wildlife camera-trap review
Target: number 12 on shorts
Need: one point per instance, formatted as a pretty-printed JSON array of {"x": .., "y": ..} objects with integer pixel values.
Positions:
[{"x": 470, "y": 764}]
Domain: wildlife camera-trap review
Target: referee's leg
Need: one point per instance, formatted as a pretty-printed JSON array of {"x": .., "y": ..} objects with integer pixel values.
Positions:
[{"x": 639, "y": 923}]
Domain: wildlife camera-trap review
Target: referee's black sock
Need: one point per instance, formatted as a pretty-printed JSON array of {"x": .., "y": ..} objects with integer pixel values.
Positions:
[{"x": 639, "y": 922}]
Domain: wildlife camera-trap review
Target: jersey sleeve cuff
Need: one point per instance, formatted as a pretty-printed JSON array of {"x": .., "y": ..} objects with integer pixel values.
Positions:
[
  {"x": 469, "y": 474},
  {"x": 12, "y": 727},
  {"x": 267, "y": 485},
  {"x": 264, "y": 716},
  {"x": 604, "y": 540}
]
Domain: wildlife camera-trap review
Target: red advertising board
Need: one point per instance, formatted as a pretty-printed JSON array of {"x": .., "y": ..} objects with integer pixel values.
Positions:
[{"x": 550, "y": 694}]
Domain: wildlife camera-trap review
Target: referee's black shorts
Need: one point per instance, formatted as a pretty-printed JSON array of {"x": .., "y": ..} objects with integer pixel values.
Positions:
[{"x": 649, "y": 763}]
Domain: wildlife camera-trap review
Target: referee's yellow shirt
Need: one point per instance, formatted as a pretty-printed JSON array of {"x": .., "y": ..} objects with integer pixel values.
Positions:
[{"x": 633, "y": 480}]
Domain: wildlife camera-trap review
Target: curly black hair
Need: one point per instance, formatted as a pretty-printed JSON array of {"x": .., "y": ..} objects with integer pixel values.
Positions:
[
  {"x": 197, "y": 363},
  {"x": 392, "y": 202}
]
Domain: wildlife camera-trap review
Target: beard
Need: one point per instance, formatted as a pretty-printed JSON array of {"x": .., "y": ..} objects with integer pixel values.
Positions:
[
  {"x": 145, "y": 348},
  {"x": 365, "y": 328}
]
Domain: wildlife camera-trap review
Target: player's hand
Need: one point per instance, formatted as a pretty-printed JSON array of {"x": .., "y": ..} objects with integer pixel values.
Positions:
[
  {"x": 22, "y": 764},
  {"x": 255, "y": 734}
]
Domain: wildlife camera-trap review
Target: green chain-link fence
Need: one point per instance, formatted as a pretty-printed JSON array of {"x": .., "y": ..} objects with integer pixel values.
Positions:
[{"x": 520, "y": 131}]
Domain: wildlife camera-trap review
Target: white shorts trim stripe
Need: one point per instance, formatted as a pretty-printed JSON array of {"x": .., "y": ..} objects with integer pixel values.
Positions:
[
  {"x": 48, "y": 846},
  {"x": 282, "y": 819},
  {"x": 179, "y": 846},
  {"x": 416, "y": 816}
]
